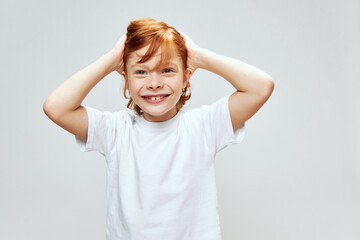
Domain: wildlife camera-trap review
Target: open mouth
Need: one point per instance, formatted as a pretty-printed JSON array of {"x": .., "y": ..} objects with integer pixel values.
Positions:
[{"x": 155, "y": 99}]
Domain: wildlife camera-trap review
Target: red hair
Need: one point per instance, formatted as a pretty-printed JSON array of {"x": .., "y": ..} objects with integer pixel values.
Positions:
[{"x": 147, "y": 31}]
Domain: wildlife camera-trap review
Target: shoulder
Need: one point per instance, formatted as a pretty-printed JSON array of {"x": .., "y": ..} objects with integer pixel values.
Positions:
[
  {"x": 111, "y": 118},
  {"x": 216, "y": 107},
  {"x": 125, "y": 116},
  {"x": 199, "y": 117}
]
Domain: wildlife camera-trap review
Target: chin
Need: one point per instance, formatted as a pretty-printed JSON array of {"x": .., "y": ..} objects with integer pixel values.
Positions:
[{"x": 157, "y": 113}]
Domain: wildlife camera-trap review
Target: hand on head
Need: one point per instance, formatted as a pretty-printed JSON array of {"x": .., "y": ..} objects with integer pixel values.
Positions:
[
  {"x": 118, "y": 52},
  {"x": 193, "y": 60}
]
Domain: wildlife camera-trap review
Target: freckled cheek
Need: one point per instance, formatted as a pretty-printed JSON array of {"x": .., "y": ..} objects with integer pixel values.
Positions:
[
  {"x": 178, "y": 87},
  {"x": 135, "y": 86}
]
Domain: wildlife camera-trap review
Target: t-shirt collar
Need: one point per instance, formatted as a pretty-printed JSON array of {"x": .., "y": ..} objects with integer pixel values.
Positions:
[{"x": 160, "y": 125}]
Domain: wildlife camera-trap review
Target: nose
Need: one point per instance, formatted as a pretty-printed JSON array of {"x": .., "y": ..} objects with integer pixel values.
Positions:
[{"x": 154, "y": 81}]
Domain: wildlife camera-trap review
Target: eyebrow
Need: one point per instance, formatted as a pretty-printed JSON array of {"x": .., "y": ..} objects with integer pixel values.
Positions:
[{"x": 144, "y": 65}]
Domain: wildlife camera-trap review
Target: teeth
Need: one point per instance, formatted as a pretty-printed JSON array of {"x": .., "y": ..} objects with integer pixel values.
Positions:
[{"x": 156, "y": 98}]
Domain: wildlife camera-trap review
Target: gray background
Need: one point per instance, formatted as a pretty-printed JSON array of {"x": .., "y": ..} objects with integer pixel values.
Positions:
[{"x": 296, "y": 175}]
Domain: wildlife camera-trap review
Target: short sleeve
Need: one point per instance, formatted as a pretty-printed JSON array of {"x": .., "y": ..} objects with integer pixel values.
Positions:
[
  {"x": 217, "y": 122},
  {"x": 101, "y": 131}
]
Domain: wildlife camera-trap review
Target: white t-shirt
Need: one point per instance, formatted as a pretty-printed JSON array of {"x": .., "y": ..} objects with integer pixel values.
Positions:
[{"x": 160, "y": 175}]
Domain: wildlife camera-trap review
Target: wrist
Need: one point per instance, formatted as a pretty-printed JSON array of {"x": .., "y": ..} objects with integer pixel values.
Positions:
[
  {"x": 114, "y": 61},
  {"x": 202, "y": 58}
]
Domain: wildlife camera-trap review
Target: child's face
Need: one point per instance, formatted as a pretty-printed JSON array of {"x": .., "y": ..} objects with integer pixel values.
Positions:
[{"x": 164, "y": 85}]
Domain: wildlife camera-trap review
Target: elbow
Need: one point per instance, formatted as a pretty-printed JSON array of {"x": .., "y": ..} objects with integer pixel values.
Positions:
[
  {"x": 271, "y": 84},
  {"x": 48, "y": 108},
  {"x": 267, "y": 87}
]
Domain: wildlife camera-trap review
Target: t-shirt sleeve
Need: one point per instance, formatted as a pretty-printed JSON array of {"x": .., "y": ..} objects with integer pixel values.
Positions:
[
  {"x": 101, "y": 132},
  {"x": 217, "y": 122}
]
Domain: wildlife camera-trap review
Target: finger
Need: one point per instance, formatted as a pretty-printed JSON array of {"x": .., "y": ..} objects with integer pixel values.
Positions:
[
  {"x": 183, "y": 35},
  {"x": 186, "y": 38}
]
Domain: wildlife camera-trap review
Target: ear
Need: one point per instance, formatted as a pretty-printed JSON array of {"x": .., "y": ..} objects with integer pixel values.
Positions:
[
  {"x": 187, "y": 74},
  {"x": 126, "y": 80}
]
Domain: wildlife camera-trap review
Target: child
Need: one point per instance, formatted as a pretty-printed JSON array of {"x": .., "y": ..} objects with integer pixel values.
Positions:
[{"x": 160, "y": 175}]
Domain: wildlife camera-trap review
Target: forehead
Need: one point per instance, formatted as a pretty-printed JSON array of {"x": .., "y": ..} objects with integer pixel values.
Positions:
[{"x": 134, "y": 57}]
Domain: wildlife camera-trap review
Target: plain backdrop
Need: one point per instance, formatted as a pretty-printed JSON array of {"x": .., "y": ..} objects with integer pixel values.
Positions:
[{"x": 295, "y": 176}]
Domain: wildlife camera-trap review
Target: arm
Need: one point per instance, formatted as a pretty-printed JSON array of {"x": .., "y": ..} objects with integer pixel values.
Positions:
[
  {"x": 63, "y": 105},
  {"x": 253, "y": 86}
]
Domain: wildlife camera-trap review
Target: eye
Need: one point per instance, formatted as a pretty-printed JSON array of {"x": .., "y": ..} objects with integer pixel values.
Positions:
[
  {"x": 168, "y": 70},
  {"x": 140, "y": 72}
]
